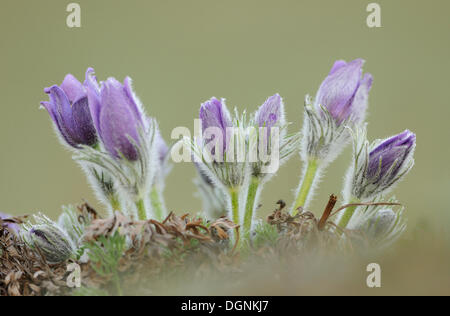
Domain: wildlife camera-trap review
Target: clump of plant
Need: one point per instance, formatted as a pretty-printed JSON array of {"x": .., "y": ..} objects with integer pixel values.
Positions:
[{"x": 126, "y": 161}]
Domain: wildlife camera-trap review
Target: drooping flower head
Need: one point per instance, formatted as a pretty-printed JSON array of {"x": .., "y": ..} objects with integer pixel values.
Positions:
[
  {"x": 117, "y": 115},
  {"x": 345, "y": 91},
  {"x": 69, "y": 109},
  {"x": 382, "y": 164}
]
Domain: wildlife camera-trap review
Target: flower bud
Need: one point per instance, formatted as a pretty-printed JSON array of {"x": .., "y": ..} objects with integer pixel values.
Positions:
[
  {"x": 379, "y": 166},
  {"x": 117, "y": 115},
  {"x": 344, "y": 92},
  {"x": 341, "y": 101},
  {"x": 52, "y": 242},
  {"x": 69, "y": 110},
  {"x": 214, "y": 114}
]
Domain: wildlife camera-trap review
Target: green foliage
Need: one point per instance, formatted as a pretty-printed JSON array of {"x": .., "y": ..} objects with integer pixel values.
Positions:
[
  {"x": 105, "y": 255},
  {"x": 265, "y": 235}
]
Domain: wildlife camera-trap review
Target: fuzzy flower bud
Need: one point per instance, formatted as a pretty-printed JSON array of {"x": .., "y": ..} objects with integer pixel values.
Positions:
[
  {"x": 379, "y": 166},
  {"x": 271, "y": 113},
  {"x": 53, "y": 243},
  {"x": 272, "y": 143},
  {"x": 341, "y": 101},
  {"x": 380, "y": 224},
  {"x": 215, "y": 115},
  {"x": 344, "y": 93},
  {"x": 69, "y": 110},
  {"x": 117, "y": 115}
]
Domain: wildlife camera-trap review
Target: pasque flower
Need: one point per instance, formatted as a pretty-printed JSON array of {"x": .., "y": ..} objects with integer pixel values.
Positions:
[
  {"x": 273, "y": 146},
  {"x": 376, "y": 168},
  {"x": 128, "y": 152},
  {"x": 117, "y": 116},
  {"x": 51, "y": 241},
  {"x": 215, "y": 152},
  {"x": 386, "y": 163},
  {"x": 69, "y": 109},
  {"x": 341, "y": 101},
  {"x": 344, "y": 92},
  {"x": 215, "y": 117}
]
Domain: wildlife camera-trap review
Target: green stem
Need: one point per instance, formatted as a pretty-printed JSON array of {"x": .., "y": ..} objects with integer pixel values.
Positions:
[
  {"x": 250, "y": 206},
  {"x": 142, "y": 214},
  {"x": 348, "y": 213},
  {"x": 157, "y": 205},
  {"x": 306, "y": 184},
  {"x": 234, "y": 193}
]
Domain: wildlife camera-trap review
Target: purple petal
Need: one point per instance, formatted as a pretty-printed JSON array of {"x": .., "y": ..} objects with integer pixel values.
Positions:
[
  {"x": 61, "y": 113},
  {"x": 270, "y": 112},
  {"x": 73, "y": 89},
  {"x": 339, "y": 88},
  {"x": 214, "y": 113},
  {"x": 93, "y": 93},
  {"x": 337, "y": 65},
  {"x": 393, "y": 150},
  {"x": 361, "y": 100},
  {"x": 83, "y": 122},
  {"x": 117, "y": 120}
]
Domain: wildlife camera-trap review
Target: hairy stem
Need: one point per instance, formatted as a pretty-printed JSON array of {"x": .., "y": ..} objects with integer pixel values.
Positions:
[
  {"x": 142, "y": 214},
  {"x": 157, "y": 204},
  {"x": 234, "y": 194},
  {"x": 348, "y": 213},
  {"x": 250, "y": 206},
  {"x": 306, "y": 184}
]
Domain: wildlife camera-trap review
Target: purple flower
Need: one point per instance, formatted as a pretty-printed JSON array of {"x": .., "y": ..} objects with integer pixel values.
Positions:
[
  {"x": 271, "y": 113},
  {"x": 69, "y": 110},
  {"x": 116, "y": 114},
  {"x": 214, "y": 113},
  {"x": 390, "y": 156},
  {"x": 345, "y": 91}
]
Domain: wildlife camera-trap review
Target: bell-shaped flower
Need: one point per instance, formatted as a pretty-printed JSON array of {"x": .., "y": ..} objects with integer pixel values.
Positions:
[
  {"x": 69, "y": 109},
  {"x": 345, "y": 92},
  {"x": 117, "y": 116}
]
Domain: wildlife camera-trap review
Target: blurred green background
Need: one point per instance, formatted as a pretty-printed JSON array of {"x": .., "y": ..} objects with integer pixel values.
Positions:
[{"x": 181, "y": 53}]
